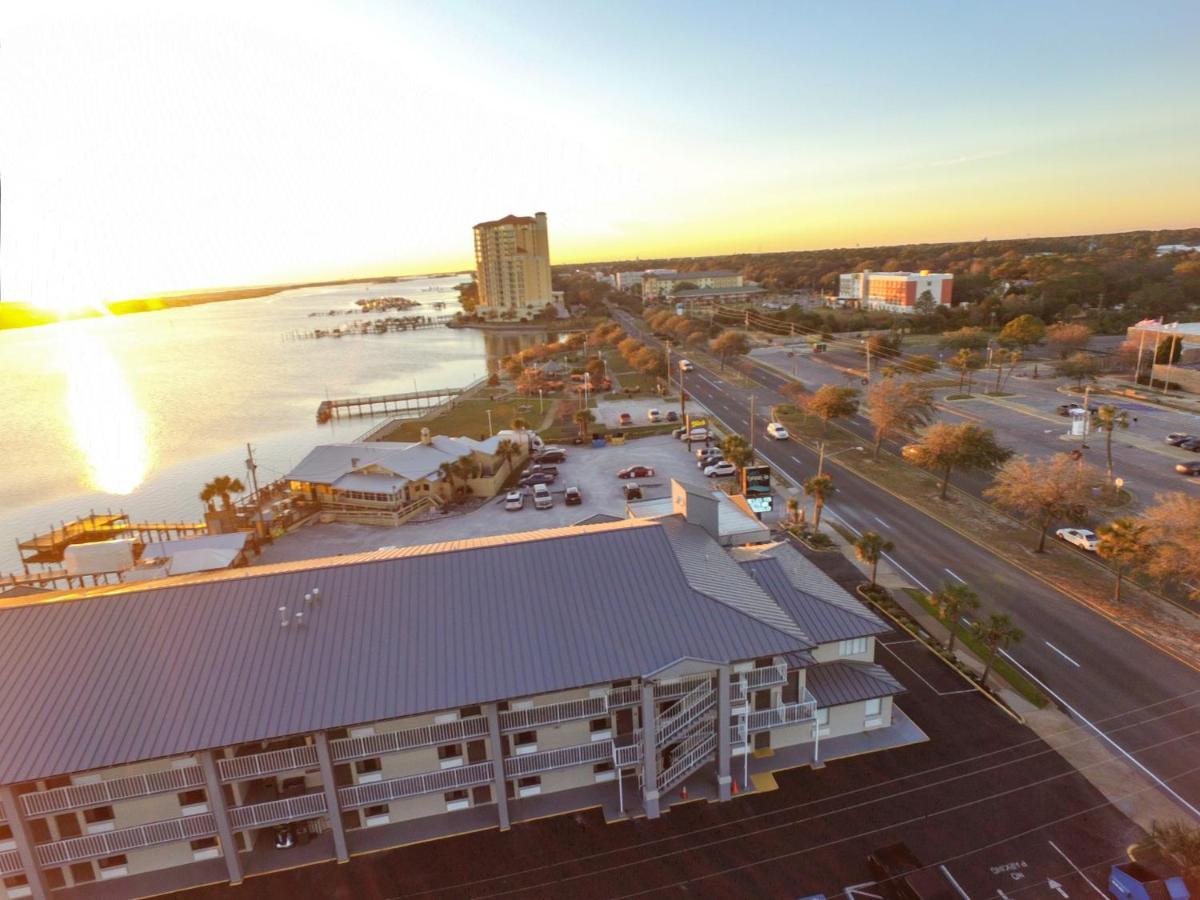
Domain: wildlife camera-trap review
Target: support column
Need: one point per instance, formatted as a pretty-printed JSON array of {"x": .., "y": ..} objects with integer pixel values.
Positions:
[
  {"x": 496, "y": 753},
  {"x": 23, "y": 838},
  {"x": 649, "y": 754},
  {"x": 723, "y": 713},
  {"x": 220, "y": 813},
  {"x": 329, "y": 785}
]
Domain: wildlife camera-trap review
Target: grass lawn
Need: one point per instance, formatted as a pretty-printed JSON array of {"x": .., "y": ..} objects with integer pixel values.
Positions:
[
  {"x": 1016, "y": 680},
  {"x": 469, "y": 417},
  {"x": 624, "y": 375}
]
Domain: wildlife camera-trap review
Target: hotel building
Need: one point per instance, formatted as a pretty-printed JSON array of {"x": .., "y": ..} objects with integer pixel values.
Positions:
[
  {"x": 896, "y": 292},
  {"x": 663, "y": 284},
  {"x": 512, "y": 266},
  {"x": 217, "y": 726}
]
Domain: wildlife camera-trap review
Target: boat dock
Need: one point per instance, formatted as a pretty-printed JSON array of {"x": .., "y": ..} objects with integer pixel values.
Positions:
[
  {"x": 410, "y": 405},
  {"x": 388, "y": 325}
]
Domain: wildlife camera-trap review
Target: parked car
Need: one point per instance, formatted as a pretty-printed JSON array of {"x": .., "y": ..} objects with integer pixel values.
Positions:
[
  {"x": 542, "y": 498},
  {"x": 636, "y": 472},
  {"x": 551, "y": 455},
  {"x": 685, "y": 365},
  {"x": 672, "y": 416},
  {"x": 697, "y": 434},
  {"x": 514, "y": 501},
  {"x": 1067, "y": 409},
  {"x": 1176, "y": 438},
  {"x": 777, "y": 431},
  {"x": 633, "y": 491},
  {"x": 625, "y": 419},
  {"x": 573, "y": 496},
  {"x": 536, "y": 478},
  {"x": 544, "y": 468},
  {"x": 678, "y": 433},
  {"x": 1083, "y": 538},
  {"x": 707, "y": 451},
  {"x": 1192, "y": 444},
  {"x": 720, "y": 469},
  {"x": 1188, "y": 468},
  {"x": 653, "y": 415}
]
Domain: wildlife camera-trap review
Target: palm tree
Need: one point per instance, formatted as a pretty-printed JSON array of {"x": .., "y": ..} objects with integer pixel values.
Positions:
[
  {"x": 1124, "y": 543},
  {"x": 222, "y": 486},
  {"x": 519, "y": 424},
  {"x": 820, "y": 488},
  {"x": 965, "y": 361},
  {"x": 1179, "y": 841},
  {"x": 584, "y": 418},
  {"x": 448, "y": 472},
  {"x": 869, "y": 548},
  {"x": 207, "y": 497},
  {"x": 735, "y": 449},
  {"x": 952, "y": 601},
  {"x": 996, "y": 633},
  {"x": 466, "y": 469},
  {"x": 1110, "y": 418},
  {"x": 793, "y": 508},
  {"x": 506, "y": 450}
]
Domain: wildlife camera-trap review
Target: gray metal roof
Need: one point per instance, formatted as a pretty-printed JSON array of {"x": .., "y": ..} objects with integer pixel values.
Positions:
[
  {"x": 712, "y": 571},
  {"x": 113, "y": 675},
  {"x": 846, "y": 681},
  {"x": 821, "y": 620}
]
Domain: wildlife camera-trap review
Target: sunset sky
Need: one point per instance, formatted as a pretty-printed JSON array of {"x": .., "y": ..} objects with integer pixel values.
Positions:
[{"x": 150, "y": 147}]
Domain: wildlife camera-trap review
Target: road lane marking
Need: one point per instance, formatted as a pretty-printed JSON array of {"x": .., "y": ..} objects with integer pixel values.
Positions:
[
  {"x": 1077, "y": 869},
  {"x": 956, "y": 575},
  {"x": 1063, "y": 655},
  {"x": 957, "y": 886},
  {"x": 797, "y": 461},
  {"x": 881, "y": 522},
  {"x": 1125, "y": 753}
]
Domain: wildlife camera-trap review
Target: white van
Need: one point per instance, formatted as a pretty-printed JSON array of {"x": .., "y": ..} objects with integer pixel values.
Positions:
[{"x": 541, "y": 497}]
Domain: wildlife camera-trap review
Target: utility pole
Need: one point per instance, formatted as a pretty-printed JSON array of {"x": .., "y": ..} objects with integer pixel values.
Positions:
[
  {"x": 752, "y": 426},
  {"x": 868, "y": 359},
  {"x": 667, "y": 343},
  {"x": 252, "y": 469},
  {"x": 1137, "y": 371},
  {"x": 683, "y": 411}
]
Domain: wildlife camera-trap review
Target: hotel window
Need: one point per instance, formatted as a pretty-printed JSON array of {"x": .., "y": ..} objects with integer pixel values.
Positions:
[
  {"x": 853, "y": 647},
  {"x": 113, "y": 866},
  {"x": 529, "y": 787},
  {"x": 604, "y": 772},
  {"x": 205, "y": 848},
  {"x": 6, "y": 839},
  {"x": 456, "y": 800},
  {"x": 600, "y": 729},
  {"x": 468, "y": 712},
  {"x": 450, "y": 755},
  {"x": 873, "y": 707},
  {"x": 100, "y": 818},
  {"x": 376, "y": 815},
  {"x": 193, "y": 802},
  {"x": 525, "y": 742},
  {"x": 368, "y": 770},
  {"x": 17, "y": 886}
]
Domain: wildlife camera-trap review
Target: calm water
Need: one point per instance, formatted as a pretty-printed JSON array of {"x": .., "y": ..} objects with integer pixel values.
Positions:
[{"x": 137, "y": 412}]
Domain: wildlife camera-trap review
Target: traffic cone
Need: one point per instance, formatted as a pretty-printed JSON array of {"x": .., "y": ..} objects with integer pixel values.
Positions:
[
  {"x": 683, "y": 793},
  {"x": 735, "y": 787}
]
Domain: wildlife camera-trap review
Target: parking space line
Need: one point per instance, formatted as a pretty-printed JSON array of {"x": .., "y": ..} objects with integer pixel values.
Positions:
[
  {"x": 881, "y": 522},
  {"x": 1077, "y": 869},
  {"x": 922, "y": 677},
  {"x": 1063, "y": 655},
  {"x": 956, "y": 575}
]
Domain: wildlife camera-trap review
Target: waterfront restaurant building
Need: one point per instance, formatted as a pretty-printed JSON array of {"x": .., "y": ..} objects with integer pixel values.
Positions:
[
  {"x": 512, "y": 266},
  {"x": 218, "y": 726}
]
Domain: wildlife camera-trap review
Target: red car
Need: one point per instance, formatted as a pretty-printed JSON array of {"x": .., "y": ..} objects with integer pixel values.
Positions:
[
  {"x": 626, "y": 419},
  {"x": 636, "y": 472}
]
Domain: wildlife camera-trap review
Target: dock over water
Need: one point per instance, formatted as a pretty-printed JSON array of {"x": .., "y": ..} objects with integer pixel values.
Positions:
[{"x": 410, "y": 405}]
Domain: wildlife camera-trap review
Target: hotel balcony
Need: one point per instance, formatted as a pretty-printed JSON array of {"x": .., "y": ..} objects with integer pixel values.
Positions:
[
  {"x": 110, "y": 843},
  {"x": 99, "y": 793},
  {"x": 271, "y": 762},
  {"x": 458, "y": 731},
  {"x": 553, "y": 713},
  {"x": 358, "y": 795},
  {"x": 562, "y": 758}
]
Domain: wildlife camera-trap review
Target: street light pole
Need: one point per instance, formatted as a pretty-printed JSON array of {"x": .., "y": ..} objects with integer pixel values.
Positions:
[{"x": 751, "y": 425}]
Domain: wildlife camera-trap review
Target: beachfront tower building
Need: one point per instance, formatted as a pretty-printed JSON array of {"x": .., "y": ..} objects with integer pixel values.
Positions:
[{"x": 512, "y": 266}]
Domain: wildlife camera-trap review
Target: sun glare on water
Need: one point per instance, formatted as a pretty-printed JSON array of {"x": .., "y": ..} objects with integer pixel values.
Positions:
[{"x": 108, "y": 426}]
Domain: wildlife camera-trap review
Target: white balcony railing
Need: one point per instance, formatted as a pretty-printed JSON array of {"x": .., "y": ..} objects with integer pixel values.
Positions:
[
  {"x": 567, "y": 711},
  {"x": 627, "y": 750},
  {"x": 561, "y": 758},
  {"x": 100, "y": 793},
  {"x": 631, "y": 695},
  {"x": 10, "y": 863},
  {"x": 270, "y": 763},
  {"x": 110, "y": 843},
  {"x": 688, "y": 757},
  {"x": 385, "y": 742},
  {"x": 787, "y": 714},
  {"x": 273, "y": 812},
  {"x": 667, "y": 690},
  {"x": 695, "y": 704},
  {"x": 768, "y": 676},
  {"x": 413, "y": 785}
]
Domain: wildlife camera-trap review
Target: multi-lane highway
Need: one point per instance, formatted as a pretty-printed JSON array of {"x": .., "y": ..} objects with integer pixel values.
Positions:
[{"x": 1094, "y": 667}]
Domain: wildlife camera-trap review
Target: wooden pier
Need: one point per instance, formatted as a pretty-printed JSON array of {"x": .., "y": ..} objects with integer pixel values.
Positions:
[
  {"x": 410, "y": 405},
  {"x": 389, "y": 325}
]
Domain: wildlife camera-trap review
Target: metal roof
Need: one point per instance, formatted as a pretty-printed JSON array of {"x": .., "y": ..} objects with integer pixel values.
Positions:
[
  {"x": 106, "y": 676},
  {"x": 822, "y": 621},
  {"x": 329, "y": 463},
  {"x": 845, "y": 681}
]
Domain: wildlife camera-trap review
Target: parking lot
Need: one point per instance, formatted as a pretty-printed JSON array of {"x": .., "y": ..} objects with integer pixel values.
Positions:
[
  {"x": 1002, "y": 813},
  {"x": 593, "y": 470}
]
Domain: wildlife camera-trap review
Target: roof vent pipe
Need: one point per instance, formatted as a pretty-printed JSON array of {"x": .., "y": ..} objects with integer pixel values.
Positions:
[{"x": 283, "y": 617}]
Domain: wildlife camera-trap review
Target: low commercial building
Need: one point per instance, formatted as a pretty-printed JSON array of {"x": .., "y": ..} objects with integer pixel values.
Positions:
[
  {"x": 897, "y": 292},
  {"x": 366, "y": 480},
  {"x": 627, "y": 281},
  {"x": 226, "y": 724},
  {"x": 1176, "y": 344},
  {"x": 1173, "y": 249},
  {"x": 663, "y": 285}
]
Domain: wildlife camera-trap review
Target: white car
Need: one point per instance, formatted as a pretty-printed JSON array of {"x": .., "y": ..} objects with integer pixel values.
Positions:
[
  {"x": 541, "y": 497},
  {"x": 513, "y": 501},
  {"x": 777, "y": 431},
  {"x": 653, "y": 416},
  {"x": 697, "y": 434},
  {"x": 718, "y": 470},
  {"x": 685, "y": 365},
  {"x": 1083, "y": 538}
]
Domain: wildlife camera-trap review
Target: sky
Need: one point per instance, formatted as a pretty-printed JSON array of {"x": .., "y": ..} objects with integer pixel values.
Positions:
[{"x": 149, "y": 147}]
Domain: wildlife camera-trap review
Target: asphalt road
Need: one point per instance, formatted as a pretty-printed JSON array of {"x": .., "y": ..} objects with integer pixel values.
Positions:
[{"x": 1095, "y": 668}]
